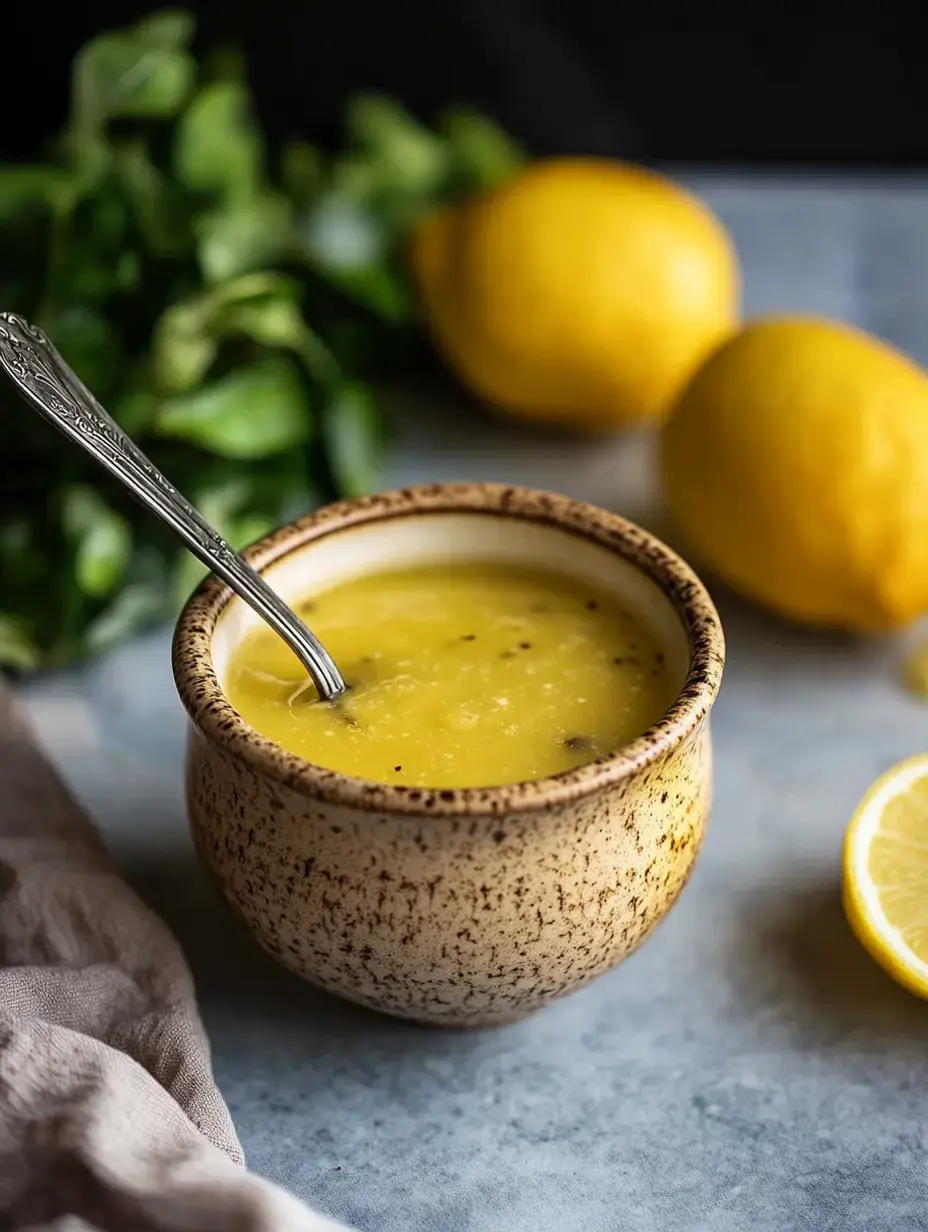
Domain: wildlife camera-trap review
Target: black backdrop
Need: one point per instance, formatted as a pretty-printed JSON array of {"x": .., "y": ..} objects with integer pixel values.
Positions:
[{"x": 767, "y": 81}]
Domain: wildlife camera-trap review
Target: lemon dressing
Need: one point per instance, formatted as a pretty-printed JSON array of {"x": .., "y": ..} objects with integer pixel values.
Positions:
[{"x": 471, "y": 676}]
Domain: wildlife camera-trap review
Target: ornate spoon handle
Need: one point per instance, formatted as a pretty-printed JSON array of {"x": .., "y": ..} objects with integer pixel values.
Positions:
[{"x": 47, "y": 383}]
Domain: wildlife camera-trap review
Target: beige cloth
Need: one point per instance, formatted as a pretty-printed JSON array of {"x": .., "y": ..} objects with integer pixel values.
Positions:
[{"x": 109, "y": 1117}]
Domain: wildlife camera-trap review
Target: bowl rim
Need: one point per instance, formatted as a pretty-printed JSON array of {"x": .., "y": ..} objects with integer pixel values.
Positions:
[{"x": 213, "y": 715}]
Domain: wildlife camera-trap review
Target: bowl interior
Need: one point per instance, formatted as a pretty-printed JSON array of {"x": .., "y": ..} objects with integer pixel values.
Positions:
[{"x": 443, "y": 538}]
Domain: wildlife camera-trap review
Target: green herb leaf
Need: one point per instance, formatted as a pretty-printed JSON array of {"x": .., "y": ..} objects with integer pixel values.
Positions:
[
  {"x": 262, "y": 307},
  {"x": 248, "y": 529},
  {"x": 250, "y": 413},
  {"x": 348, "y": 245},
  {"x": 136, "y": 607},
  {"x": 93, "y": 253},
  {"x": 357, "y": 179},
  {"x": 183, "y": 350},
  {"x": 136, "y": 408},
  {"x": 144, "y": 71},
  {"x": 380, "y": 288},
  {"x": 273, "y": 321},
  {"x": 186, "y": 336},
  {"x": 24, "y": 188},
  {"x": 102, "y": 539},
  {"x": 161, "y": 216},
  {"x": 245, "y": 237},
  {"x": 405, "y": 152},
  {"x": 277, "y": 322},
  {"x": 482, "y": 154},
  {"x": 302, "y": 172},
  {"x": 218, "y": 148},
  {"x": 17, "y": 650},
  {"x": 354, "y": 436}
]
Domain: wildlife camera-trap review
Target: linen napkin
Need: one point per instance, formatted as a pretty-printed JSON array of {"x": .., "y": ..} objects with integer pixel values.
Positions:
[{"x": 110, "y": 1120}]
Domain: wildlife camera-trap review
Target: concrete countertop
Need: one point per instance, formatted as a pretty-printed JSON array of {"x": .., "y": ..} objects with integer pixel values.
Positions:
[{"x": 749, "y": 1068}]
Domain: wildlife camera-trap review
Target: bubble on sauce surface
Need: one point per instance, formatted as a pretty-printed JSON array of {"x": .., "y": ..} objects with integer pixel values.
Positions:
[{"x": 462, "y": 718}]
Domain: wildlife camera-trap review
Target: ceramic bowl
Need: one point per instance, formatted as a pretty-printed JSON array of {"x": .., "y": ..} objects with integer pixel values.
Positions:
[{"x": 454, "y": 907}]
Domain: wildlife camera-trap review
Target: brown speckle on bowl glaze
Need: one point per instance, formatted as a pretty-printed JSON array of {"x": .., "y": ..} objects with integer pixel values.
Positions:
[{"x": 455, "y": 907}]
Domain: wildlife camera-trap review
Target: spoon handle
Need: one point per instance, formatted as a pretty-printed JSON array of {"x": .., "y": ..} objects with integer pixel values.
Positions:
[{"x": 44, "y": 379}]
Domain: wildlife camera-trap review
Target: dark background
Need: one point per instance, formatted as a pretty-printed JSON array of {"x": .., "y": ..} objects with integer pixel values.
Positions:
[{"x": 767, "y": 82}]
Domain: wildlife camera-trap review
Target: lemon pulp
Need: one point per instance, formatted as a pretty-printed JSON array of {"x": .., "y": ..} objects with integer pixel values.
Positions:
[
  {"x": 466, "y": 676},
  {"x": 886, "y": 873}
]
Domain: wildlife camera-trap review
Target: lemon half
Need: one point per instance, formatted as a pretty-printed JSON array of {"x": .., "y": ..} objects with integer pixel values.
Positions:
[{"x": 885, "y": 875}]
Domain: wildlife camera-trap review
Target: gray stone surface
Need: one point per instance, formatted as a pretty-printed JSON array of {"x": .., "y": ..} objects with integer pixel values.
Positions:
[{"x": 750, "y": 1068}]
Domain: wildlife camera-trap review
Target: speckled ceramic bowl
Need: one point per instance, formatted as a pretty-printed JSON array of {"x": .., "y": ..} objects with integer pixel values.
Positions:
[{"x": 465, "y": 907}]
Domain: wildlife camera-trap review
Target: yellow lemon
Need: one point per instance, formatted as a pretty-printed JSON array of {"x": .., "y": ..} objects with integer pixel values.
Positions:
[
  {"x": 886, "y": 873},
  {"x": 796, "y": 465},
  {"x": 581, "y": 291}
]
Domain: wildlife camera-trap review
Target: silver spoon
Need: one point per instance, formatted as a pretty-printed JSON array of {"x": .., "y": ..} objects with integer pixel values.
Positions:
[{"x": 46, "y": 382}]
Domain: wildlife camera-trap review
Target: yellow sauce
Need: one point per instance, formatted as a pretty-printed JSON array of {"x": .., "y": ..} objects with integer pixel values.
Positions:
[{"x": 470, "y": 676}]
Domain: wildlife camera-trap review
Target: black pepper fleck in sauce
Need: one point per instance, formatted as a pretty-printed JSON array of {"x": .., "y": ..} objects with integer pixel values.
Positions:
[
  {"x": 525, "y": 645},
  {"x": 579, "y": 744},
  {"x": 592, "y": 605},
  {"x": 468, "y": 637}
]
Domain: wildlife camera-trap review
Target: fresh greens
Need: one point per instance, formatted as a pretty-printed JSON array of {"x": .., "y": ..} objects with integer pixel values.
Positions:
[{"x": 234, "y": 307}]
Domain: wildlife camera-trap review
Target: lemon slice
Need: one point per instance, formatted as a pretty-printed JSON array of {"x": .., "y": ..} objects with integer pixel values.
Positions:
[{"x": 886, "y": 873}]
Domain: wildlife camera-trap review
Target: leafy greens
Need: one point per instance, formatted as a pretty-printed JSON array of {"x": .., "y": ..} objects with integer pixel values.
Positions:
[{"x": 235, "y": 312}]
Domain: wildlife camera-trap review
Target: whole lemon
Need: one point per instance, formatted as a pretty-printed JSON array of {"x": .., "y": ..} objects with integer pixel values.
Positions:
[
  {"x": 796, "y": 464},
  {"x": 580, "y": 291}
]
